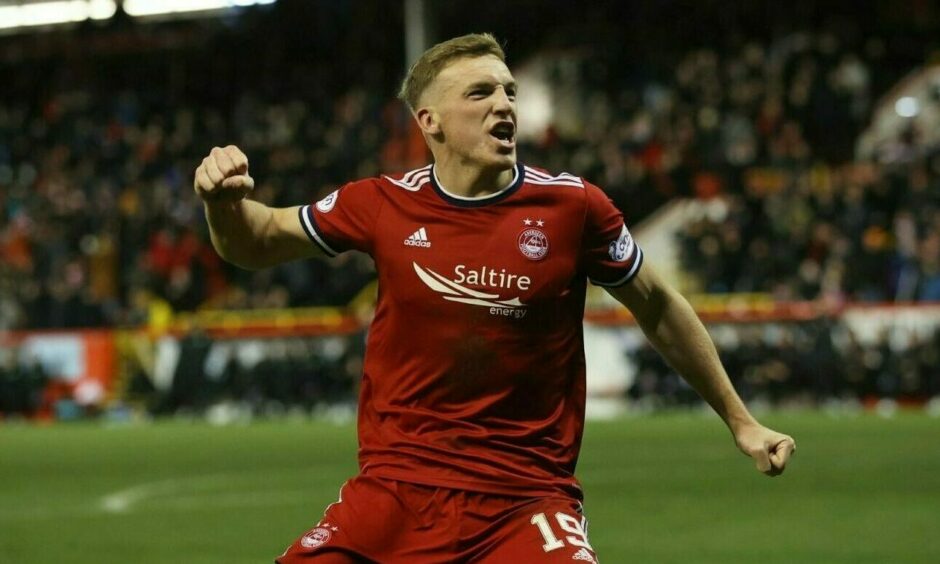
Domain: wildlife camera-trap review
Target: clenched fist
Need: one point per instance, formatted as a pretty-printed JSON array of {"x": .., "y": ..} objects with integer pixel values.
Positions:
[
  {"x": 223, "y": 176},
  {"x": 770, "y": 450}
]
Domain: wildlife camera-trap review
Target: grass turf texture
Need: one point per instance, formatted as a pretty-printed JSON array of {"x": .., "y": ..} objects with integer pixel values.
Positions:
[{"x": 660, "y": 489}]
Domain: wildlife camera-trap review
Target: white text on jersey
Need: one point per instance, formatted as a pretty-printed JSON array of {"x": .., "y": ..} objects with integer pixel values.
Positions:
[
  {"x": 455, "y": 291},
  {"x": 490, "y": 277},
  {"x": 418, "y": 239}
]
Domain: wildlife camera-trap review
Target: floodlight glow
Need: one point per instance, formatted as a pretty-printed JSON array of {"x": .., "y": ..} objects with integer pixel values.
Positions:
[
  {"x": 907, "y": 107},
  {"x": 55, "y": 12},
  {"x": 101, "y": 9},
  {"x": 143, "y": 8}
]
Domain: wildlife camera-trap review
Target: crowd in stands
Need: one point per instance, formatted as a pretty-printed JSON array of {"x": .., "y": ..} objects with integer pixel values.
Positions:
[
  {"x": 764, "y": 133},
  {"x": 98, "y": 218},
  {"x": 854, "y": 232},
  {"x": 799, "y": 216},
  {"x": 97, "y": 153}
]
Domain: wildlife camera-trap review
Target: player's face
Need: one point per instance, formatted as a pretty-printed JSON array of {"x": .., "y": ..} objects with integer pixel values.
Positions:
[{"x": 474, "y": 100}]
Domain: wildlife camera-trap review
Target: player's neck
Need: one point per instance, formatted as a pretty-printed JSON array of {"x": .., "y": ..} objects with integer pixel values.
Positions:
[{"x": 471, "y": 181}]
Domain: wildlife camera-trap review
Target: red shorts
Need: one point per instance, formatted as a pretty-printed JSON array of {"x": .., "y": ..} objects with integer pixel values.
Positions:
[{"x": 389, "y": 522}]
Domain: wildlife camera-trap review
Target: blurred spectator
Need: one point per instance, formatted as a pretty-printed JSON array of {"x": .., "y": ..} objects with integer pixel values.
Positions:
[{"x": 22, "y": 383}]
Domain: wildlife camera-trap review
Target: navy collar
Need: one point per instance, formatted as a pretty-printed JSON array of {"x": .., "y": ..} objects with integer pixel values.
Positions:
[{"x": 480, "y": 201}]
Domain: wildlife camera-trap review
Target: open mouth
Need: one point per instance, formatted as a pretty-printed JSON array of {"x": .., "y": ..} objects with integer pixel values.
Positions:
[{"x": 505, "y": 133}]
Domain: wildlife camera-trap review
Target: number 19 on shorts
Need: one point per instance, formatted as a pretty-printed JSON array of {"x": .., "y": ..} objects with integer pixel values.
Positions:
[{"x": 568, "y": 524}]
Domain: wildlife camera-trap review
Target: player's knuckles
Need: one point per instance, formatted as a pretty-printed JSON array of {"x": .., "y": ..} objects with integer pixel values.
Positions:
[
  {"x": 241, "y": 164},
  {"x": 225, "y": 164},
  {"x": 213, "y": 171},
  {"x": 234, "y": 182},
  {"x": 209, "y": 164},
  {"x": 236, "y": 154},
  {"x": 202, "y": 180}
]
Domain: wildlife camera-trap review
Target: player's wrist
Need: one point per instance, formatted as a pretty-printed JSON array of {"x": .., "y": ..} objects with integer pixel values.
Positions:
[
  {"x": 740, "y": 421},
  {"x": 221, "y": 196},
  {"x": 217, "y": 203}
]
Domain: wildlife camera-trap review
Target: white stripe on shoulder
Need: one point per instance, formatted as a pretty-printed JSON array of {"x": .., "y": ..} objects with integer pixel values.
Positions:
[
  {"x": 564, "y": 179},
  {"x": 408, "y": 176},
  {"x": 545, "y": 175},
  {"x": 420, "y": 178},
  {"x": 571, "y": 183},
  {"x": 563, "y": 176}
]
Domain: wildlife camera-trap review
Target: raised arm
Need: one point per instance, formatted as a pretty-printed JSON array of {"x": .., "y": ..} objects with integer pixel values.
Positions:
[
  {"x": 672, "y": 326},
  {"x": 244, "y": 232}
]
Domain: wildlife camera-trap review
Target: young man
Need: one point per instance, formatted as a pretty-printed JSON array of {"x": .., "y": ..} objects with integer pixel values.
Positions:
[{"x": 471, "y": 407}]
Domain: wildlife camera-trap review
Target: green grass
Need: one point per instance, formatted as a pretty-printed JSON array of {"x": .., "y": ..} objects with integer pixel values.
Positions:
[{"x": 660, "y": 489}]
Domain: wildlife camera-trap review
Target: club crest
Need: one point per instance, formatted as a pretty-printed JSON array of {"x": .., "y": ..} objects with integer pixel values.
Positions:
[
  {"x": 533, "y": 244},
  {"x": 316, "y": 537}
]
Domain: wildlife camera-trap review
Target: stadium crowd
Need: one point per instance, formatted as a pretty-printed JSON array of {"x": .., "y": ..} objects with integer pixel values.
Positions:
[
  {"x": 97, "y": 152},
  {"x": 98, "y": 216},
  {"x": 801, "y": 218}
]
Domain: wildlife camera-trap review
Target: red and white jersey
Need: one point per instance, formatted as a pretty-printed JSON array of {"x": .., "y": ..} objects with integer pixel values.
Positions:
[{"x": 474, "y": 369}]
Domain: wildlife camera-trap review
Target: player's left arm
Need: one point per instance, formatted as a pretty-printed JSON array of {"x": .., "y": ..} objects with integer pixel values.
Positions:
[{"x": 673, "y": 327}]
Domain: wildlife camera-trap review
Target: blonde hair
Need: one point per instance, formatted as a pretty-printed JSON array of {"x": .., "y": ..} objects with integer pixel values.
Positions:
[{"x": 433, "y": 61}]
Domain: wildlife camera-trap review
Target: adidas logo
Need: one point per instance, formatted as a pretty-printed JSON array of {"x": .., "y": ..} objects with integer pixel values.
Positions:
[
  {"x": 418, "y": 239},
  {"x": 583, "y": 554}
]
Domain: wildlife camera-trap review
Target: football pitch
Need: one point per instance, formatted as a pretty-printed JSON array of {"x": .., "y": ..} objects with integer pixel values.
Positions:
[{"x": 666, "y": 488}]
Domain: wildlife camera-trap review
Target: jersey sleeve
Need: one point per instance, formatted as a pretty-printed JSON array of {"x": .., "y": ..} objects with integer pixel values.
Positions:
[
  {"x": 345, "y": 219},
  {"x": 610, "y": 255}
]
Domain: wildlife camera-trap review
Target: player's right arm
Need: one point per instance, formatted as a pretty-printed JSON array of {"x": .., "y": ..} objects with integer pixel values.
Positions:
[{"x": 244, "y": 232}]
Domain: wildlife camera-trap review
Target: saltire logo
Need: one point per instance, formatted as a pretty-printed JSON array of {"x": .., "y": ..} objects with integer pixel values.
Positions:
[{"x": 454, "y": 292}]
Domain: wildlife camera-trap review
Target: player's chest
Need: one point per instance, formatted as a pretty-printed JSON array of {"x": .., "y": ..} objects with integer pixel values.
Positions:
[{"x": 508, "y": 257}]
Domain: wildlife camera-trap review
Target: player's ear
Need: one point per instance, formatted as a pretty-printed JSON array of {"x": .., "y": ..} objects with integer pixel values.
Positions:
[{"x": 428, "y": 121}]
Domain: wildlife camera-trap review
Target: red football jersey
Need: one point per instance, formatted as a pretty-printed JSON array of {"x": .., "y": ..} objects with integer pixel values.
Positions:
[{"x": 474, "y": 368}]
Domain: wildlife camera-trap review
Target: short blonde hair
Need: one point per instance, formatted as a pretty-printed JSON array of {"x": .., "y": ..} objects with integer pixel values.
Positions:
[{"x": 433, "y": 61}]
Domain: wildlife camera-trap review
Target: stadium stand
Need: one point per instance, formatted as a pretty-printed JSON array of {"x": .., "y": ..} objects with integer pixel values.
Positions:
[{"x": 99, "y": 227}]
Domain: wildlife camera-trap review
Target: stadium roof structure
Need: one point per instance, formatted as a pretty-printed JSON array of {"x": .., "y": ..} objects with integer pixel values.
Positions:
[
  {"x": 28, "y": 15},
  {"x": 906, "y": 121}
]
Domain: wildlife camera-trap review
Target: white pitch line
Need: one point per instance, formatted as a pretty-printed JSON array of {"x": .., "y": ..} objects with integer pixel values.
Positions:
[
  {"x": 210, "y": 490},
  {"x": 123, "y": 500},
  {"x": 234, "y": 500}
]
